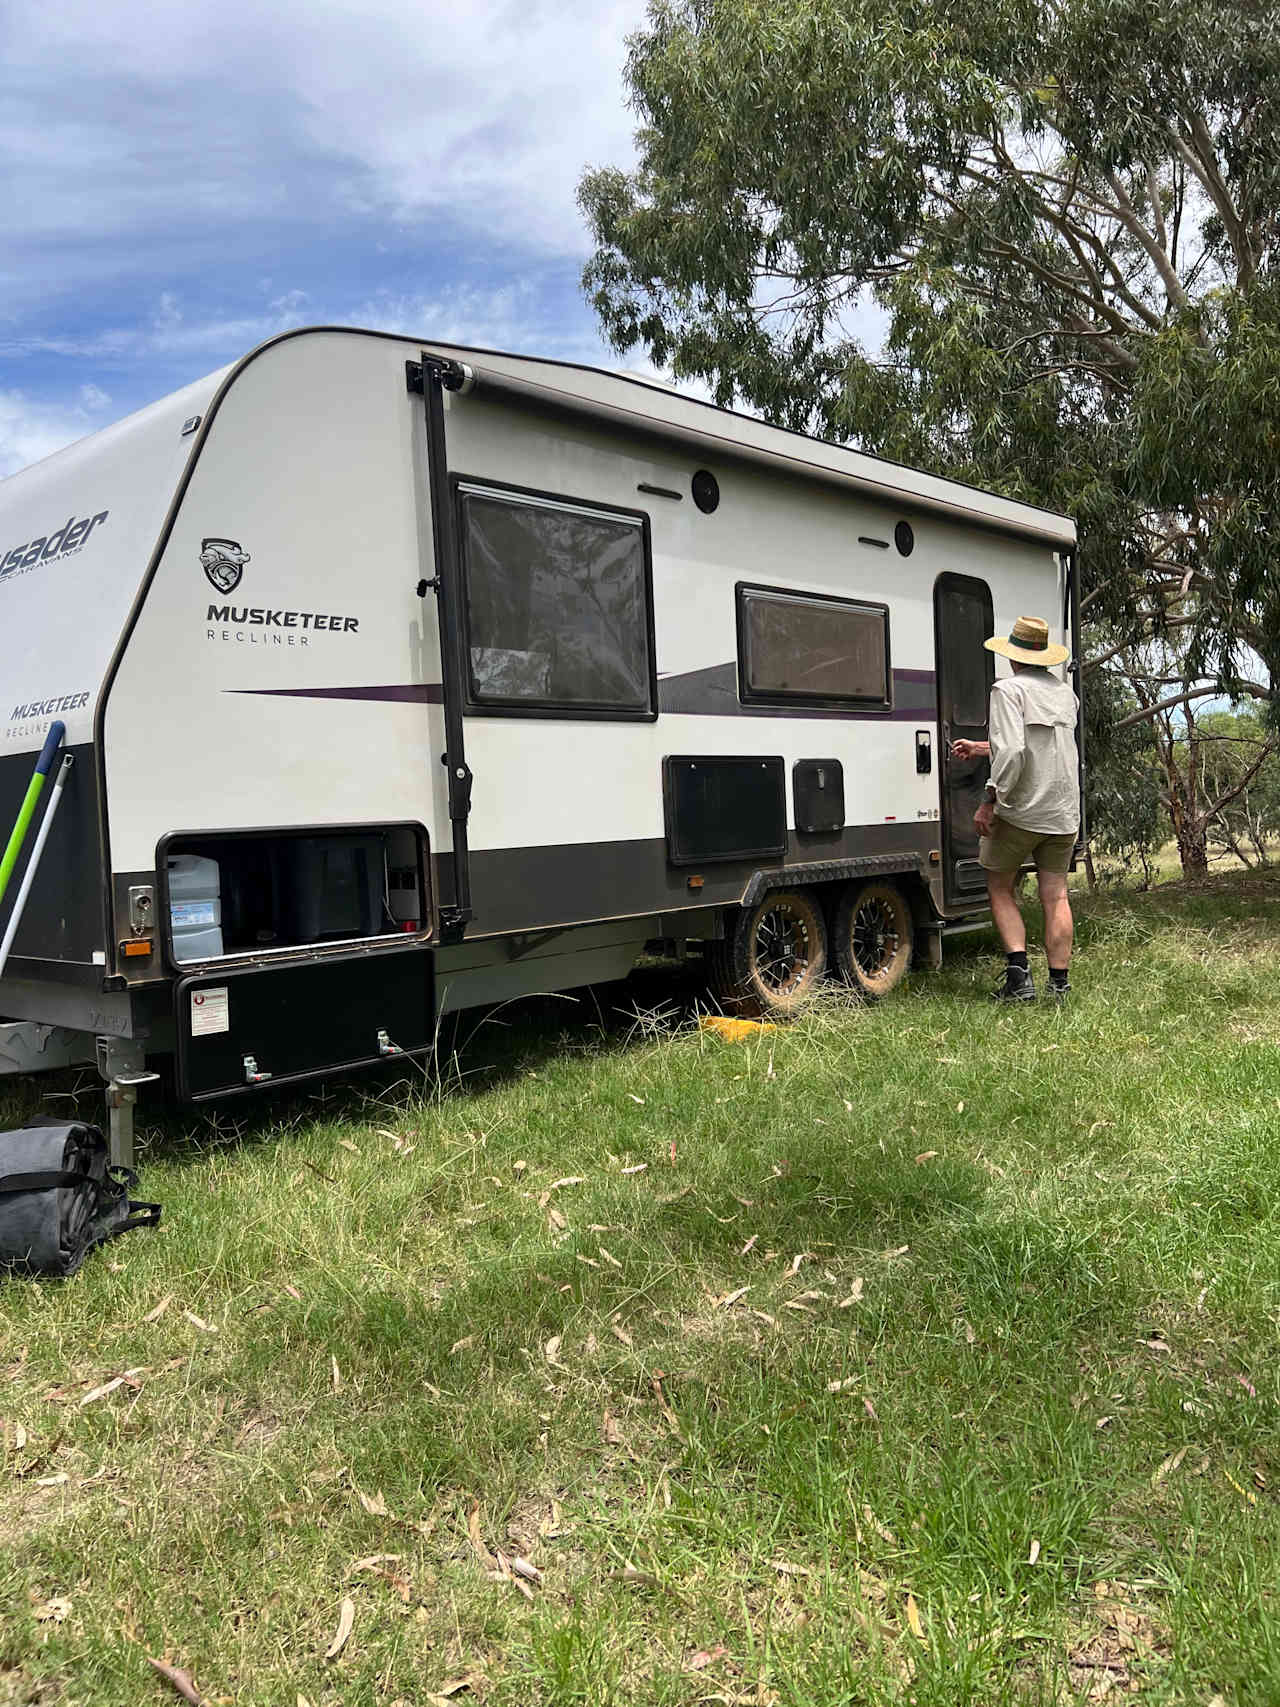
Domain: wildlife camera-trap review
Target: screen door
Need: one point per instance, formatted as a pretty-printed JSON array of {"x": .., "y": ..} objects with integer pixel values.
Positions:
[{"x": 962, "y": 620}]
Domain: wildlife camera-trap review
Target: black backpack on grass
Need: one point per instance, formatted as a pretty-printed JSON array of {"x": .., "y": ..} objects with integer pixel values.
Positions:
[{"x": 59, "y": 1198}]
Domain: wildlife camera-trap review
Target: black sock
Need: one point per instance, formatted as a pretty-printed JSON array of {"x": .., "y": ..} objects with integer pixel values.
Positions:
[
  {"x": 1018, "y": 958},
  {"x": 1058, "y": 975}
]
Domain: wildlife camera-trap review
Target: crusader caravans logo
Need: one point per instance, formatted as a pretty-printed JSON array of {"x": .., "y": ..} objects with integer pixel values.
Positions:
[{"x": 223, "y": 563}]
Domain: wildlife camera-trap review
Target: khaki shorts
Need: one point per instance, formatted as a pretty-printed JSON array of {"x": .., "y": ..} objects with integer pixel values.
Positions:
[{"x": 1009, "y": 848}]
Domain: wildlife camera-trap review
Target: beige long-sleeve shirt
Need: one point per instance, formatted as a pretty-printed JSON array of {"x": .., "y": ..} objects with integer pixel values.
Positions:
[{"x": 1034, "y": 766}]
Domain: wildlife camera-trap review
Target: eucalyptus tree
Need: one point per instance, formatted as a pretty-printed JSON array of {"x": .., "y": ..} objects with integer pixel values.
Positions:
[
  {"x": 1124, "y": 784},
  {"x": 1061, "y": 219},
  {"x": 1241, "y": 775}
]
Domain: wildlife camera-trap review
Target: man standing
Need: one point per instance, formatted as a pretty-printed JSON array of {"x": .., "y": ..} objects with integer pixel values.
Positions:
[{"x": 1032, "y": 808}]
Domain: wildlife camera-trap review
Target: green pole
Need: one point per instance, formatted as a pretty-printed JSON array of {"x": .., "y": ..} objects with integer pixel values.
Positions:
[{"x": 44, "y": 764}]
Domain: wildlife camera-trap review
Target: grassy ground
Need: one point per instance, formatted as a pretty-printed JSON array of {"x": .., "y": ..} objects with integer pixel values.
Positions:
[
  {"x": 922, "y": 1353},
  {"x": 1166, "y": 867}
]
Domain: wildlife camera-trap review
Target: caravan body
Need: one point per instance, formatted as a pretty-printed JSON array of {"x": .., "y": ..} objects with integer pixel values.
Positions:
[{"x": 401, "y": 678}]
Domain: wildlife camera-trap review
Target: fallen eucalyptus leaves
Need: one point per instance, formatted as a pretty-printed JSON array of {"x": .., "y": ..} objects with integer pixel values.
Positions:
[{"x": 346, "y": 1621}]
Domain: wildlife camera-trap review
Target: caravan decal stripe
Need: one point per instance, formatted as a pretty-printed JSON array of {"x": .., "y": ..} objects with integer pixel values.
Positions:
[
  {"x": 711, "y": 692},
  {"x": 411, "y": 693},
  {"x": 714, "y": 693}
]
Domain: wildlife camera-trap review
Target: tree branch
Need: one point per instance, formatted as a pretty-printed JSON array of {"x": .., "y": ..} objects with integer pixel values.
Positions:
[
  {"x": 1206, "y": 171},
  {"x": 1244, "y": 690},
  {"x": 1129, "y": 215},
  {"x": 1075, "y": 235},
  {"x": 1157, "y": 212},
  {"x": 1239, "y": 788},
  {"x": 1060, "y": 282}
]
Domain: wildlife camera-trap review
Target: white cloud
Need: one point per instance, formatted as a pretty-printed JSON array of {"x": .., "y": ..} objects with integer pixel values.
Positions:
[
  {"x": 508, "y": 316},
  {"x": 30, "y": 430},
  {"x": 504, "y": 317},
  {"x": 133, "y": 122},
  {"x": 167, "y": 332},
  {"x": 490, "y": 110},
  {"x": 186, "y": 178}
]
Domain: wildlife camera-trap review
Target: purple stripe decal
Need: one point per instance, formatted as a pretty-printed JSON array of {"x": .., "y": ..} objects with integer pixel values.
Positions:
[
  {"x": 714, "y": 693},
  {"x": 410, "y": 693}
]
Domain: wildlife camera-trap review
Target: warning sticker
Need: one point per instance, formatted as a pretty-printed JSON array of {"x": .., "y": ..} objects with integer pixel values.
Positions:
[{"x": 210, "y": 1011}]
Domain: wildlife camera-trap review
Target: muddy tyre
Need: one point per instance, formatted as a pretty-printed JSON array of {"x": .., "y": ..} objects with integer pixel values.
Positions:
[
  {"x": 873, "y": 938},
  {"x": 773, "y": 956}
]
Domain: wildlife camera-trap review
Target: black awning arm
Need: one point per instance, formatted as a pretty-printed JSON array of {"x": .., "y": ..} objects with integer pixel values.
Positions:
[{"x": 432, "y": 377}]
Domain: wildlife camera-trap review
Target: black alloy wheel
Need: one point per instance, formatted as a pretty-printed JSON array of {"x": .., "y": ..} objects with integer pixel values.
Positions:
[
  {"x": 773, "y": 956},
  {"x": 873, "y": 934}
]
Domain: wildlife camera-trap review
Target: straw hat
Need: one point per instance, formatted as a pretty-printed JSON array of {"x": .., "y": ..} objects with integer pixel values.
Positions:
[{"x": 1028, "y": 643}]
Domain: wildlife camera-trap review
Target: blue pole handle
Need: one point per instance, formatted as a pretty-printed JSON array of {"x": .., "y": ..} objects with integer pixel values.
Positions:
[{"x": 52, "y": 741}]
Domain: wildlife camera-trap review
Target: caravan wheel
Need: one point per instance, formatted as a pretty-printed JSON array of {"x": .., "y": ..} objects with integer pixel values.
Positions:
[
  {"x": 773, "y": 956},
  {"x": 873, "y": 937}
]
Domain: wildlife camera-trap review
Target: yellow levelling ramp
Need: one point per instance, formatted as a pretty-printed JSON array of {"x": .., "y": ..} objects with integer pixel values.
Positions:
[{"x": 735, "y": 1030}]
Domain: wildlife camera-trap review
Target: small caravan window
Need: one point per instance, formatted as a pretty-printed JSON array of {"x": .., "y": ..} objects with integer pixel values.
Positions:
[
  {"x": 557, "y": 606},
  {"x": 806, "y": 646}
]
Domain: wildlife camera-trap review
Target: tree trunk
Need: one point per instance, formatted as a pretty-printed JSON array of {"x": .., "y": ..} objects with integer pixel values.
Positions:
[
  {"x": 1193, "y": 847},
  {"x": 1190, "y": 826},
  {"x": 1089, "y": 871}
]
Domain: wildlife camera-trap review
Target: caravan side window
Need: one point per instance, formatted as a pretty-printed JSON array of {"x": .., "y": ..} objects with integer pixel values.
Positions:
[
  {"x": 811, "y": 648},
  {"x": 559, "y": 610}
]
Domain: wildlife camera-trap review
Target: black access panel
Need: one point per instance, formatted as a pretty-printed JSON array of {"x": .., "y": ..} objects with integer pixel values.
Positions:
[
  {"x": 251, "y": 1027},
  {"x": 817, "y": 788},
  {"x": 724, "y": 807}
]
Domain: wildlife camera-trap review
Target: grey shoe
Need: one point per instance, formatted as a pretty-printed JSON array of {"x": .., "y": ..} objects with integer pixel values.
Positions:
[
  {"x": 1058, "y": 992},
  {"x": 1017, "y": 985}
]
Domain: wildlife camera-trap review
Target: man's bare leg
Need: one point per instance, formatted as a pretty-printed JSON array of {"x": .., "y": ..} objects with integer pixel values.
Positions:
[
  {"x": 1006, "y": 912},
  {"x": 1058, "y": 924}
]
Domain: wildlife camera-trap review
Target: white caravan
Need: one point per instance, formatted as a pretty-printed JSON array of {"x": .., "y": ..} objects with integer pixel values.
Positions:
[{"x": 400, "y": 677}]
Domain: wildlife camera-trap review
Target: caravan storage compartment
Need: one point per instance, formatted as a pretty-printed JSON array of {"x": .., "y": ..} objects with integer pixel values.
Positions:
[
  {"x": 250, "y": 1027},
  {"x": 276, "y": 891}
]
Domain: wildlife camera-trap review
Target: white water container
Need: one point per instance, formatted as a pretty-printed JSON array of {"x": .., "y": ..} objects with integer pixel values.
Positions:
[{"x": 195, "y": 907}]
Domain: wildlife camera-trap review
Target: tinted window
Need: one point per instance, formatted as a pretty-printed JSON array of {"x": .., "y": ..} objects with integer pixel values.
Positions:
[
  {"x": 811, "y": 648},
  {"x": 557, "y": 605}
]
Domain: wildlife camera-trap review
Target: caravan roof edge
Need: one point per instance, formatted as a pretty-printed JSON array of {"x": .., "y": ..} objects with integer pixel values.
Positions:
[
  {"x": 639, "y": 405},
  {"x": 690, "y": 418}
]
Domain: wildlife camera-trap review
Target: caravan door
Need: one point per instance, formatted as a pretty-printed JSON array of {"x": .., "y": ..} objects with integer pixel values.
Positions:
[{"x": 962, "y": 620}]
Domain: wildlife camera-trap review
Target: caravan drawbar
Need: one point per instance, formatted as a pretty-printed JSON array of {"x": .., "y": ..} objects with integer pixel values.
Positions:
[{"x": 400, "y": 678}]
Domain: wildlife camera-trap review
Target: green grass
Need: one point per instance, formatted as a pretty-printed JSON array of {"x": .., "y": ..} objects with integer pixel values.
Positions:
[{"x": 1014, "y": 1282}]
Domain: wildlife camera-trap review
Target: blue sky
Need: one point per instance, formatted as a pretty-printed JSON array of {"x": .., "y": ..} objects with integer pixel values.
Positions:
[{"x": 184, "y": 178}]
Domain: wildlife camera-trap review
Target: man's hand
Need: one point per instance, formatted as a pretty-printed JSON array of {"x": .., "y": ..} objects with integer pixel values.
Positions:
[
  {"x": 966, "y": 750},
  {"x": 984, "y": 817}
]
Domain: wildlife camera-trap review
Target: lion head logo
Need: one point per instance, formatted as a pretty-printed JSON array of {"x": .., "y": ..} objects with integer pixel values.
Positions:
[{"x": 223, "y": 563}]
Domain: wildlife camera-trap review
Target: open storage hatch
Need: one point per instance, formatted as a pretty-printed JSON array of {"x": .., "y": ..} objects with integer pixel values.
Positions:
[{"x": 268, "y": 892}]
